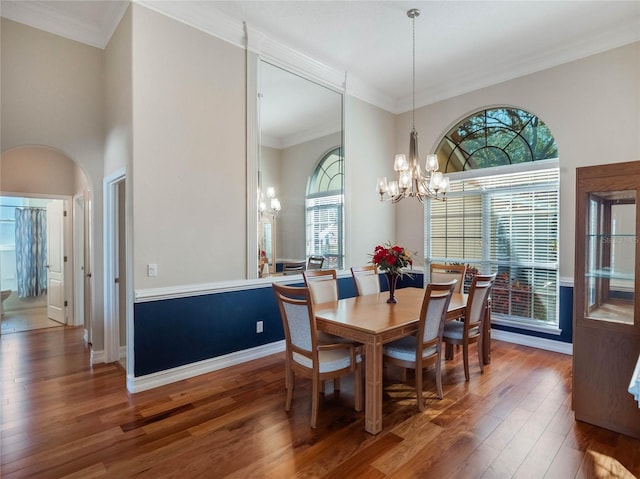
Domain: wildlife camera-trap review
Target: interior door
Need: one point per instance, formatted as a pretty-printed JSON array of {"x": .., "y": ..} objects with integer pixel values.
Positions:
[{"x": 55, "y": 262}]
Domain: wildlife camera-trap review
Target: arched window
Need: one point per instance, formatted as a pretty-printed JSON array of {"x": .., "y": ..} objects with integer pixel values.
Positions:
[
  {"x": 501, "y": 214},
  {"x": 496, "y": 137},
  {"x": 324, "y": 210}
]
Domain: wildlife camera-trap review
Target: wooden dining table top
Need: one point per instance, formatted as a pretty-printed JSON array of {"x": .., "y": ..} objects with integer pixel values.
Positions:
[{"x": 372, "y": 314}]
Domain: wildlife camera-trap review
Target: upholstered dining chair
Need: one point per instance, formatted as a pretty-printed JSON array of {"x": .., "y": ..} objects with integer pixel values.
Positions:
[
  {"x": 470, "y": 330},
  {"x": 442, "y": 273},
  {"x": 306, "y": 356},
  {"x": 424, "y": 349},
  {"x": 366, "y": 279},
  {"x": 294, "y": 267},
  {"x": 323, "y": 287},
  {"x": 315, "y": 262},
  {"x": 322, "y": 284}
]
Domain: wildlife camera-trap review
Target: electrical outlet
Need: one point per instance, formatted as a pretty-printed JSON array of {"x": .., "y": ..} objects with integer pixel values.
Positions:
[
  {"x": 152, "y": 270},
  {"x": 259, "y": 327}
]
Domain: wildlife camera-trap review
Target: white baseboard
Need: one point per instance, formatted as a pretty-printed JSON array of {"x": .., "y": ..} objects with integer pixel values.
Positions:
[
  {"x": 534, "y": 342},
  {"x": 97, "y": 356},
  {"x": 161, "y": 378}
]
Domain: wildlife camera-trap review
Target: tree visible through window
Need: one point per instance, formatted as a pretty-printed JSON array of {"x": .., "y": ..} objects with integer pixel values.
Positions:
[
  {"x": 325, "y": 211},
  {"x": 504, "y": 218}
]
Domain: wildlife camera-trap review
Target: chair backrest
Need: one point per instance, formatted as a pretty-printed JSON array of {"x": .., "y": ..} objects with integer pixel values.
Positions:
[
  {"x": 322, "y": 284},
  {"x": 366, "y": 279},
  {"x": 477, "y": 303},
  {"x": 433, "y": 312},
  {"x": 315, "y": 262},
  {"x": 443, "y": 273},
  {"x": 298, "y": 319},
  {"x": 293, "y": 267}
]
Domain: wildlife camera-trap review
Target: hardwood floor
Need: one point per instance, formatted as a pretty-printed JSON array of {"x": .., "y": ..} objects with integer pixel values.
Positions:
[{"x": 62, "y": 418}]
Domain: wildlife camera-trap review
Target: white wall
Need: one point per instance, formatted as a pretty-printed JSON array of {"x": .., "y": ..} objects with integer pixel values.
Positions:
[
  {"x": 369, "y": 152},
  {"x": 118, "y": 115},
  {"x": 52, "y": 96},
  {"x": 592, "y": 107},
  {"x": 189, "y": 159}
]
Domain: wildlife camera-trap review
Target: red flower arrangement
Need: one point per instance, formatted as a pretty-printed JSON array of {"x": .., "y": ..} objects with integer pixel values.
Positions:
[{"x": 391, "y": 258}]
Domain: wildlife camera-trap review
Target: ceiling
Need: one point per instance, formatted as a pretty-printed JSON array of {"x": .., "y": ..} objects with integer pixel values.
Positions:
[{"x": 460, "y": 45}]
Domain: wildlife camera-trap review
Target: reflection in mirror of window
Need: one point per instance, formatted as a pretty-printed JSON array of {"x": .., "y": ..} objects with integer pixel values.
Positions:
[
  {"x": 325, "y": 210},
  {"x": 298, "y": 122}
]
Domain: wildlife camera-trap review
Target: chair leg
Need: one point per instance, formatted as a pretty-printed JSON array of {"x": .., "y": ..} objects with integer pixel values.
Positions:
[
  {"x": 480, "y": 359},
  {"x": 403, "y": 375},
  {"x": 465, "y": 358},
  {"x": 336, "y": 384},
  {"x": 289, "y": 382},
  {"x": 439, "y": 377},
  {"x": 419, "y": 397},
  {"x": 315, "y": 398}
]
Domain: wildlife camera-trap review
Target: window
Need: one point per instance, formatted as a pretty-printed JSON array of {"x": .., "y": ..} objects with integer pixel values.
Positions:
[
  {"x": 503, "y": 216},
  {"x": 325, "y": 212}
]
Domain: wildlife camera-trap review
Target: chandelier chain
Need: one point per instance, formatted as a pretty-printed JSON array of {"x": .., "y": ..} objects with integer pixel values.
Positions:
[{"x": 413, "y": 120}]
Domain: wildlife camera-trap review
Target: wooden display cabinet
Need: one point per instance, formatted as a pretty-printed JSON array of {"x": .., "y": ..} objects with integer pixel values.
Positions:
[{"x": 606, "y": 330}]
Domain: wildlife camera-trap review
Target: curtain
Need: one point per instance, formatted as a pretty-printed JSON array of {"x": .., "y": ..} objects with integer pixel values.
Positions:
[{"x": 31, "y": 251}]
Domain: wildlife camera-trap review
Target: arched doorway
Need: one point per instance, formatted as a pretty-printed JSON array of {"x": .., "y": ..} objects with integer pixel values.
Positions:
[{"x": 36, "y": 176}]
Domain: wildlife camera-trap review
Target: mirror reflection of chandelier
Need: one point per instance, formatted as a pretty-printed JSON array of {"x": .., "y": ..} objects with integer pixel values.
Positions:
[
  {"x": 412, "y": 180},
  {"x": 274, "y": 203}
]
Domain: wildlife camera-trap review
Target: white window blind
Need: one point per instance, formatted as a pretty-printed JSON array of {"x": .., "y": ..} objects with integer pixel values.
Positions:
[
  {"x": 324, "y": 229},
  {"x": 505, "y": 224}
]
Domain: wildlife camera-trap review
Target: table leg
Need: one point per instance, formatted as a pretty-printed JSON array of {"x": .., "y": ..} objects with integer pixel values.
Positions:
[
  {"x": 448, "y": 351},
  {"x": 373, "y": 387}
]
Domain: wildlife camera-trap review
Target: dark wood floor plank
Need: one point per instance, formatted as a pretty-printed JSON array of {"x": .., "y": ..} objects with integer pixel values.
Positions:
[{"x": 61, "y": 417}]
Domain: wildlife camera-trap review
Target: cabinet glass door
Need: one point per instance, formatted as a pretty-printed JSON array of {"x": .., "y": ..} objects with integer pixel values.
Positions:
[{"x": 610, "y": 256}]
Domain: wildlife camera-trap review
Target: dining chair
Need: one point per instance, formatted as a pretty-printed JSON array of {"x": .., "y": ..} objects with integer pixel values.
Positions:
[
  {"x": 366, "y": 279},
  {"x": 323, "y": 287},
  {"x": 306, "y": 356},
  {"x": 424, "y": 349},
  {"x": 315, "y": 262},
  {"x": 471, "y": 329},
  {"x": 293, "y": 267},
  {"x": 322, "y": 284},
  {"x": 442, "y": 273}
]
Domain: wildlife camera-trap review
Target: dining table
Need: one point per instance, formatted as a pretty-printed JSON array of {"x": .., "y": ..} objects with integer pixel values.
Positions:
[{"x": 370, "y": 320}]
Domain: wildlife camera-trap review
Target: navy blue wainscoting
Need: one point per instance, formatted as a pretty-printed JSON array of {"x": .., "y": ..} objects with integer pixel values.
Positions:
[{"x": 175, "y": 332}]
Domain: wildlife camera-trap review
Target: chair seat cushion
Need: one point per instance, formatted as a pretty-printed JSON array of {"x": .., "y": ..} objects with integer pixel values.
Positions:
[
  {"x": 404, "y": 349},
  {"x": 455, "y": 330},
  {"x": 331, "y": 360}
]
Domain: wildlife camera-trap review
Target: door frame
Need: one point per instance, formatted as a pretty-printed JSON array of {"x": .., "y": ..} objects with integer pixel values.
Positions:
[
  {"x": 111, "y": 183},
  {"x": 67, "y": 203},
  {"x": 79, "y": 269}
]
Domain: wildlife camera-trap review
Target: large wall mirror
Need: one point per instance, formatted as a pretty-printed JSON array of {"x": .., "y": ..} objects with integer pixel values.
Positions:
[{"x": 300, "y": 170}]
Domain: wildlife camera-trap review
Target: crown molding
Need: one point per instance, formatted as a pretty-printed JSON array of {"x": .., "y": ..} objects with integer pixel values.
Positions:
[{"x": 42, "y": 16}]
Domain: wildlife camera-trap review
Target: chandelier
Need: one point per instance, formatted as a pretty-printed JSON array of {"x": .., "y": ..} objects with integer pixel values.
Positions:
[
  {"x": 274, "y": 203},
  {"x": 413, "y": 181}
]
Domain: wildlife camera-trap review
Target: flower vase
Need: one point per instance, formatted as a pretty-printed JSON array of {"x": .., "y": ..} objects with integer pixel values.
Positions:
[{"x": 392, "y": 280}]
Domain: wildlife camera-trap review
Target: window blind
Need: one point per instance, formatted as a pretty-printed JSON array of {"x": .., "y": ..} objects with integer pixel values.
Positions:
[
  {"x": 324, "y": 229},
  {"x": 505, "y": 224}
]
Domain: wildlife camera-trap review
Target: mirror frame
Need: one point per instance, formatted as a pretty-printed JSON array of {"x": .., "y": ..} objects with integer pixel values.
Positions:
[{"x": 261, "y": 48}]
